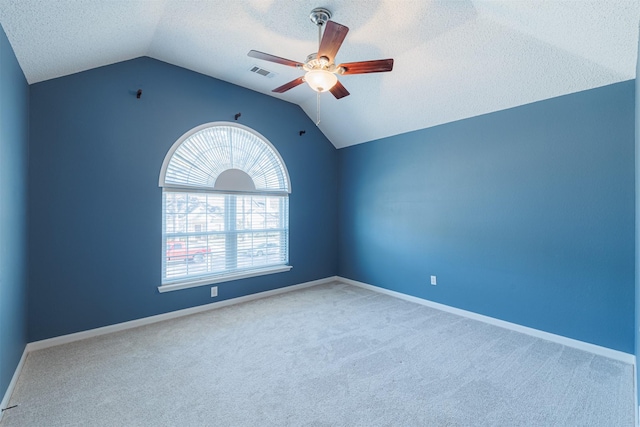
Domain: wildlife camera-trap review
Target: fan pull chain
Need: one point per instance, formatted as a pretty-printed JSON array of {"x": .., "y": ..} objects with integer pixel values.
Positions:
[{"x": 318, "y": 109}]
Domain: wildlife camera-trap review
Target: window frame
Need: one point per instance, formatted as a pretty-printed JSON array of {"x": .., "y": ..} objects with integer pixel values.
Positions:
[{"x": 214, "y": 278}]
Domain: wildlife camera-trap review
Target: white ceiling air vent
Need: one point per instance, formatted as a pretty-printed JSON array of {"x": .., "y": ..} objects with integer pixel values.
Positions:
[{"x": 262, "y": 71}]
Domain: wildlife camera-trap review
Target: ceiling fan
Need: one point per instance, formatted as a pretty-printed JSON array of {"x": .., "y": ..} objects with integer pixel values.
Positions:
[{"x": 321, "y": 71}]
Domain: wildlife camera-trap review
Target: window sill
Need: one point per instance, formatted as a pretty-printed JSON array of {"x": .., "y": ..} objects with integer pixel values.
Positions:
[{"x": 227, "y": 278}]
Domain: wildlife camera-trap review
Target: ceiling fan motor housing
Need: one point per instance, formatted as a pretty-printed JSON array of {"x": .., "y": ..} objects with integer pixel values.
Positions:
[
  {"x": 314, "y": 63},
  {"x": 320, "y": 16}
]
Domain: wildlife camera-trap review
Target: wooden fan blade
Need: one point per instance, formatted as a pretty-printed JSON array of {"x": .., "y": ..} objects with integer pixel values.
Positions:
[
  {"x": 363, "y": 67},
  {"x": 339, "y": 91},
  {"x": 285, "y": 87},
  {"x": 273, "y": 58},
  {"x": 332, "y": 39}
]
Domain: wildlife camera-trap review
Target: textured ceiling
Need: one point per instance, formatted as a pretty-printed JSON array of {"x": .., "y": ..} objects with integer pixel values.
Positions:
[{"x": 453, "y": 59}]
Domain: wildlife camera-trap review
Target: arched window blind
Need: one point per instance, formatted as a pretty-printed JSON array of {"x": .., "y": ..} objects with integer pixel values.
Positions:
[
  {"x": 206, "y": 153},
  {"x": 225, "y": 207}
]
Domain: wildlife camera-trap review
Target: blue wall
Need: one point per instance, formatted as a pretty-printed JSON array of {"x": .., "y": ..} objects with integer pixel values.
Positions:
[
  {"x": 525, "y": 215},
  {"x": 95, "y": 205},
  {"x": 14, "y": 97}
]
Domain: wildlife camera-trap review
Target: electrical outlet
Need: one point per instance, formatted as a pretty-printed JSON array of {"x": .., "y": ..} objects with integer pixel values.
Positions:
[
  {"x": 214, "y": 291},
  {"x": 433, "y": 280}
]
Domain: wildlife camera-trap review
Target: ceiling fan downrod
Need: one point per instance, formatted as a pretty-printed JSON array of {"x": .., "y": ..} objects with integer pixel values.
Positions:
[{"x": 319, "y": 16}]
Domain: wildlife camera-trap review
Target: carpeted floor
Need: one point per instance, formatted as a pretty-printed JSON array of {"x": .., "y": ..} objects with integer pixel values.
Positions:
[{"x": 331, "y": 355}]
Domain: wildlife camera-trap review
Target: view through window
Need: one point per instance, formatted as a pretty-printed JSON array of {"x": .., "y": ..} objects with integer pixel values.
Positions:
[{"x": 215, "y": 233}]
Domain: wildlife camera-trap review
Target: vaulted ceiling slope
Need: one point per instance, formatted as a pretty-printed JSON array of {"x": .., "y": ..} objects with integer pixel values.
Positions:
[{"x": 453, "y": 59}]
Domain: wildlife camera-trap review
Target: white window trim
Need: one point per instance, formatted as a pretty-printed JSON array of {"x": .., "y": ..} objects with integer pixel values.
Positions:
[
  {"x": 226, "y": 278},
  {"x": 210, "y": 280}
]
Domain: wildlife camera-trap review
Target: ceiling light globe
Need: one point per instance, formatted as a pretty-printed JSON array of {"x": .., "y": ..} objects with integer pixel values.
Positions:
[{"x": 320, "y": 80}]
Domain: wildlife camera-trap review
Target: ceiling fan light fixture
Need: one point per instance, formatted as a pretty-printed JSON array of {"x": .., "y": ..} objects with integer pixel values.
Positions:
[{"x": 320, "y": 80}]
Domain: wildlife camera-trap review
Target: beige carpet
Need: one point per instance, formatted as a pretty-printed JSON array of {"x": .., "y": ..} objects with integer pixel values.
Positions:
[{"x": 331, "y": 355}]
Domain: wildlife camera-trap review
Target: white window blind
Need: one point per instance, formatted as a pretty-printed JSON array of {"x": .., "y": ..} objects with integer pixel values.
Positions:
[
  {"x": 208, "y": 233},
  {"x": 204, "y": 155}
]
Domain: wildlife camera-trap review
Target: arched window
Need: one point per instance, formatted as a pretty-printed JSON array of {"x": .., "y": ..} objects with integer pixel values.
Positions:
[{"x": 225, "y": 207}]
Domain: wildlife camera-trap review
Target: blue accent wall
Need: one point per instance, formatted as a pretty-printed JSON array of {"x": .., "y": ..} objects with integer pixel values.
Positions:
[
  {"x": 14, "y": 98},
  {"x": 95, "y": 205},
  {"x": 525, "y": 215}
]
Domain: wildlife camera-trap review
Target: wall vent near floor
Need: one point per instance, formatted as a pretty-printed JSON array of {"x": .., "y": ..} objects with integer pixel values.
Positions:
[{"x": 262, "y": 71}]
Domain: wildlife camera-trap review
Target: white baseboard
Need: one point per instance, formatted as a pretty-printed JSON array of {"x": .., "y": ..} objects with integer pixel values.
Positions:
[
  {"x": 569, "y": 342},
  {"x": 64, "y": 339},
  {"x": 12, "y": 384}
]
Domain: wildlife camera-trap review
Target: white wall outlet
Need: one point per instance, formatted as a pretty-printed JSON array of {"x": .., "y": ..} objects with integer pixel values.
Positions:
[
  {"x": 214, "y": 291},
  {"x": 433, "y": 280}
]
